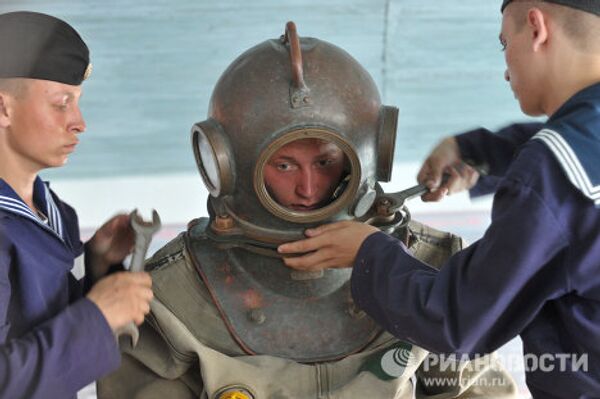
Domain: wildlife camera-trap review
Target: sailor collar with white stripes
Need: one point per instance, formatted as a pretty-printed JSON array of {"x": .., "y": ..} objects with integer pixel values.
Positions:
[
  {"x": 573, "y": 136},
  {"x": 11, "y": 202}
]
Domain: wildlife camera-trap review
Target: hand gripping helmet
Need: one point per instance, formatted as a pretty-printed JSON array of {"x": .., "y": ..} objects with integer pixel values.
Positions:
[{"x": 275, "y": 93}]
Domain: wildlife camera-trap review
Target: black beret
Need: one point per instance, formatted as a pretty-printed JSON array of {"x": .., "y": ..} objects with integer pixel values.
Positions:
[
  {"x": 39, "y": 46},
  {"x": 592, "y": 6}
]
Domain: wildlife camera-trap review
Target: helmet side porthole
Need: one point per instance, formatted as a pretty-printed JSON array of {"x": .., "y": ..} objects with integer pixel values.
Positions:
[{"x": 213, "y": 158}]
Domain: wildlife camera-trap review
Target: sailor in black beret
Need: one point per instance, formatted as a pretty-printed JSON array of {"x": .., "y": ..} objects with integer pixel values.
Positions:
[
  {"x": 592, "y": 6},
  {"x": 56, "y": 333}
]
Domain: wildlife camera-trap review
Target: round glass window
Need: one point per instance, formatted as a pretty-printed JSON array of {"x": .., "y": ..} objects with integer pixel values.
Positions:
[{"x": 306, "y": 178}]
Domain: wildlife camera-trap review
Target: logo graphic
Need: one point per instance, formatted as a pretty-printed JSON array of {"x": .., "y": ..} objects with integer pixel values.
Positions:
[
  {"x": 392, "y": 362},
  {"x": 234, "y": 392}
]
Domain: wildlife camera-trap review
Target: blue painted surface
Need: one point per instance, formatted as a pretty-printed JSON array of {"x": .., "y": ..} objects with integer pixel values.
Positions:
[{"x": 156, "y": 62}]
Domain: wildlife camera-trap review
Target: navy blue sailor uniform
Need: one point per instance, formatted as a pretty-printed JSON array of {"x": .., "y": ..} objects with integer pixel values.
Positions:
[
  {"x": 536, "y": 271},
  {"x": 53, "y": 341}
]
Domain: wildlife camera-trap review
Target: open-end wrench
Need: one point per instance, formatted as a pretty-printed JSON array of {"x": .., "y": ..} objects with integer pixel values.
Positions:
[
  {"x": 390, "y": 203},
  {"x": 143, "y": 236}
]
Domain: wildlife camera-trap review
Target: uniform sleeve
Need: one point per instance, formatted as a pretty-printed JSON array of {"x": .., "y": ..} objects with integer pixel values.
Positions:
[
  {"x": 484, "y": 295},
  {"x": 5, "y": 285},
  {"x": 58, "y": 357},
  {"x": 496, "y": 150}
]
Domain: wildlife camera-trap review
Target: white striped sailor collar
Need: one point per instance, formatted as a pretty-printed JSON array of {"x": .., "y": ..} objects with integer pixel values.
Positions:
[
  {"x": 573, "y": 135},
  {"x": 11, "y": 202}
]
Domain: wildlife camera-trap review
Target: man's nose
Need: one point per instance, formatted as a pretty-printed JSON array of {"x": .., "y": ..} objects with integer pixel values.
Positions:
[
  {"x": 77, "y": 123},
  {"x": 306, "y": 184}
]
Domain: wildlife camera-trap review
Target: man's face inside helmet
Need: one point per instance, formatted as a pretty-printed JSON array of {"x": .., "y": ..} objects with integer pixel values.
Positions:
[{"x": 304, "y": 175}]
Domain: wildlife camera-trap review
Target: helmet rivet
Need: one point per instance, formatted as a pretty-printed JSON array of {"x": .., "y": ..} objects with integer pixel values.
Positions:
[
  {"x": 257, "y": 316},
  {"x": 355, "y": 312}
]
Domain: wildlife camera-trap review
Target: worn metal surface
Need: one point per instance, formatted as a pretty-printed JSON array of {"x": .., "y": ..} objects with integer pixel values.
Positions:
[{"x": 269, "y": 312}]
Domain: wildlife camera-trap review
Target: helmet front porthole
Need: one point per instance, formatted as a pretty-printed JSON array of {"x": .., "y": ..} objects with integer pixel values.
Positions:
[{"x": 307, "y": 175}]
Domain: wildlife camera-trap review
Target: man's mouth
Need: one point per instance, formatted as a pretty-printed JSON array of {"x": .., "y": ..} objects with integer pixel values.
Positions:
[
  {"x": 304, "y": 208},
  {"x": 71, "y": 147}
]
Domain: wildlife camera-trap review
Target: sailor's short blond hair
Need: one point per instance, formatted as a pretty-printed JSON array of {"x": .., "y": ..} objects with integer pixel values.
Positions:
[
  {"x": 14, "y": 86},
  {"x": 583, "y": 28}
]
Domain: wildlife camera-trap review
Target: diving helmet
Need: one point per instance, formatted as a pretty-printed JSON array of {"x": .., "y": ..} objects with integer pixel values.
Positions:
[
  {"x": 307, "y": 102},
  {"x": 274, "y": 94}
]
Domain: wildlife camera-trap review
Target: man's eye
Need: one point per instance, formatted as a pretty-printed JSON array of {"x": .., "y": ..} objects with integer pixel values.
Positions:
[
  {"x": 61, "y": 107},
  {"x": 283, "y": 166},
  {"x": 325, "y": 162}
]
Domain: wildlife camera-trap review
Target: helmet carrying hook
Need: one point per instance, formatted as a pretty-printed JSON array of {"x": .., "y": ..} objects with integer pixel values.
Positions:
[{"x": 299, "y": 92}]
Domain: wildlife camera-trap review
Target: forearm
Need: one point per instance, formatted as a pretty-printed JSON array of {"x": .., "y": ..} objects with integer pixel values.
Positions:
[
  {"x": 59, "y": 357},
  {"x": 494, "y": 150},
  {"x": 475, "y": 303}
]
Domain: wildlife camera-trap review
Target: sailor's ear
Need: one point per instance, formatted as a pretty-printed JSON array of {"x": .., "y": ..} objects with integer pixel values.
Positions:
[
  {"x": 537, "y": 22},
  {"x": 4, "y": 110}
]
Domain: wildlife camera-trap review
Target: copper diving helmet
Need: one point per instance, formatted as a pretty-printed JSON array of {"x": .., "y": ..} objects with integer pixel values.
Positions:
[{"x": 277, "y": 92}]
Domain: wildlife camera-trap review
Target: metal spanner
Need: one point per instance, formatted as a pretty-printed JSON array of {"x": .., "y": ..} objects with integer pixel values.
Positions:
[
  {"x": 390, "y": 203},
  {"x": 143, "y": 236}
]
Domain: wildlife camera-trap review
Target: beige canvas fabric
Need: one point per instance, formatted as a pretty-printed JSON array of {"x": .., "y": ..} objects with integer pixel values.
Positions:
[{"x": 186, "y": 351}]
